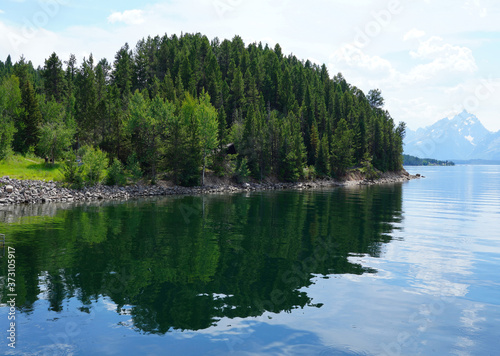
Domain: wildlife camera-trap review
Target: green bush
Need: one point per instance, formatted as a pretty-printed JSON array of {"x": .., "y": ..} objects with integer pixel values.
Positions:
[
  {"x": 368, "y": 170},
  {"x": 72, "y": 171},
  {"x": 116, "y": 174},
  {"x": 190, "y": 176},
  {"x": 219, "y": 164},
  {"x": 310, "y": 173},
  {"x": 242, "y": 172},
  {"x": 7, "y": 131},
  {"x": 94, "y": 163},
  {"x": 133, "y": 167}
]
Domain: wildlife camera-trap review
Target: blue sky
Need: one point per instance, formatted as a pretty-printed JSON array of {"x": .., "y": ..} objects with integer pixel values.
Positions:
[
  {"x": 67, "y": 13},
  {"x": 430, "y": 58}
]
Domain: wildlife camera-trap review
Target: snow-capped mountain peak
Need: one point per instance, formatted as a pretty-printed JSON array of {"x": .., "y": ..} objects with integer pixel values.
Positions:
[{"x": 460, "y": 137}]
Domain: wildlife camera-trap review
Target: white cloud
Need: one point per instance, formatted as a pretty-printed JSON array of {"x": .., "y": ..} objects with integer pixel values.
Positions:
[
  {"x": 442, "y": 62},
  {"x": 129, "y": 17},
  {"x": 477, "y": 6},
  {"x": 418, "y": 90},
  {"x": 354, "y": 57},
  {"x": 444, "y": 56},
  {"x": 413, "y": 34}
]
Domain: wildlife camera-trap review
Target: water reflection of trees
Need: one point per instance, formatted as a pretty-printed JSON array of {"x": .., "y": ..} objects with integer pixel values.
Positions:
[{"x": 186, "y": 262}]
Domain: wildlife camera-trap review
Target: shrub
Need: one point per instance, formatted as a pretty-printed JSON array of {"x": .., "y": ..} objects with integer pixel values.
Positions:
[
  {"x": 94, "y": 163},
  {"x": 7, "y": 131},
  {"x": 310, "y": 173},
  {"x": 72, "y": 171},
  {"x": 190, "y": 176},
  {"x": 133, "y": 167},
  {"x": 242, "y": 172},
  {"x": 116, "y": 174},
  {"x": 369, "y": 171}
]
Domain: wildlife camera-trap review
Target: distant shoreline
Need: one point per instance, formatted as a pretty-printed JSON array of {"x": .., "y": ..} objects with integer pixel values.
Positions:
[
  {"x": 477, "y": 162},
  {"x": 15, "y": 191},
  {"x": 424, "y": 162}
]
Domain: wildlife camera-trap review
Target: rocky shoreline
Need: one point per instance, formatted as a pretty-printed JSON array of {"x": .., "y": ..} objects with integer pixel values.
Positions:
[{"x": 14, "y": 191}]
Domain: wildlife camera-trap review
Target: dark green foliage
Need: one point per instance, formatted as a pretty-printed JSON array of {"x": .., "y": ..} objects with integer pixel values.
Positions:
[
  {"x": 147, "y": 126},
  {"x": 282, "y": 114},
  {"x": 55, "y": 139},
  {"x": 123, "y": 71},
  {"x": 375, "y": 98},
  {"x": 133, "y": 167},
  {"x": 86, "y": 103},
  {"x": 54, "y": 81},
  {"x": 342, "y": 151},
  {"x": 322, "y": 164},
  {"x": 10, "y": 100},
  {"x": 242, "y": 172},
  {"x": 116, "y": 174},
  {"x": 28, "y": 122},
  {"x": 191, "y": 164},
  {"x": 369, "y": 171},
  {"x": 72, "y": 170},
  {"x": 292, "y": 151},
  {"x": 175, "y": 148}
]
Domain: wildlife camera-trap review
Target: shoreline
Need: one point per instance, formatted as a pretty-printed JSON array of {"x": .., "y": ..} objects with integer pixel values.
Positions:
[{"x": 15, "y": 191}]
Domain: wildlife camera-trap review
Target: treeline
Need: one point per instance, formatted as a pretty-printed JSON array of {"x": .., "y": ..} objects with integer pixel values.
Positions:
[
  {"x": 415, "y": 161},
  {"x": 178, "y": 105}
]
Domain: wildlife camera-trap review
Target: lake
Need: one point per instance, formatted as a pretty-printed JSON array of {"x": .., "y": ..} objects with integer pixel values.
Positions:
[{"x": 397, "y": 269}]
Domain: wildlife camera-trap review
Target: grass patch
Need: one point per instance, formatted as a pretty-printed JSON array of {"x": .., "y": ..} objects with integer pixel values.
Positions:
[{"x": 19, "y": 167}]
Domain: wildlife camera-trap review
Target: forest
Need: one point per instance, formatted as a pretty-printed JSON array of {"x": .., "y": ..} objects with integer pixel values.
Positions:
[{"x": 178, "y": 107}]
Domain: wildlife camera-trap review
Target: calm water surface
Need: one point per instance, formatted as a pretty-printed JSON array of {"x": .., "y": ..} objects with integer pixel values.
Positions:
[{"x": 403, "y": 269}]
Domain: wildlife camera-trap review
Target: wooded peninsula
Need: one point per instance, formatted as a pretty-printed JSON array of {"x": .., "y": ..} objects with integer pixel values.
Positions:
[{"x": 175, "y": 108}]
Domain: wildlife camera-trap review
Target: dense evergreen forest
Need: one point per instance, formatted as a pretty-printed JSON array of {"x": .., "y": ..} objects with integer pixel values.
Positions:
[{"x": 175, "y": 107}]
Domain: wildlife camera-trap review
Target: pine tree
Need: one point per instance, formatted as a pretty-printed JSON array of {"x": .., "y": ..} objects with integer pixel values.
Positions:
[
  {"x": 86, "y": 103},
  {"x": 123, "y": 70},
  {"x": 341, "y": 149},
  {"x": 287, "y": 98},
  {"x": 10, "y": 109},
  {"x": 167, "y": 88},
  {"x": 207, "y": 119},
  {"x": 299, "y": 148},
  {"x": 176, "y": 148},
  {"x": 179, "y": 88},
  {"x": 292, "y": 150},
  {"x": 375, "y": 98},
  {"x": 314, "y": 144},
  {"x": 28, "y": 122},
  {"x": 190, "y": 174},
  {"x": 148, "y": 124},
  {"x": 54, "y": 81},
  {"x": 70, "y": 75},
  {"x": 237, "y": 96},
  {"x": 322, "y": 162}
]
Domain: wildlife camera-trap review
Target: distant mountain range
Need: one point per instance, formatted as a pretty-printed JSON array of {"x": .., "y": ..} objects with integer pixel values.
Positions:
[{"x": 461, "y": 138}]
